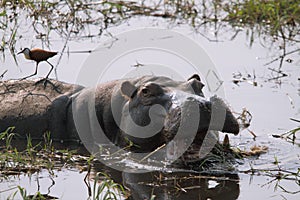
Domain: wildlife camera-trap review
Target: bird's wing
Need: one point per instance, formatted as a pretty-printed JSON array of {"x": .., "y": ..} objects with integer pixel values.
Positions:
[{"x": 41, "y": 55}]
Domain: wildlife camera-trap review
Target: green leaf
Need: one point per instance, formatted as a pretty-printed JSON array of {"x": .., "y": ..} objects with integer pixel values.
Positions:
[{"x": 3, "y": 13}]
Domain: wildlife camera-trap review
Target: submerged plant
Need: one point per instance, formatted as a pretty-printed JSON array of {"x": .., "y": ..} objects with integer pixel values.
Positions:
[
  {"x": 7, "y": 135},
  {"x": 107, "y": 189},
  {"x": 48, "y": 144},
  {"x": 289, "y": 136},
  {"x": 36, "y": 196}
]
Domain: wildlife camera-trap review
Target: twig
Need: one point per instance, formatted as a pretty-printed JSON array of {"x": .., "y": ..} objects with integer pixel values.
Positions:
[
  {"x": 9, "y": 189},
  {"x": 296, "y": 120},
  {"x": 86, "y": 51},
  {"x": 289, "y": 192},
  {"x": 151, "y": 153},
  {"x": 7, "y": 89},
  {"x": 288, "y": 53},
  {"x": 2, "y": 75},
  {"x": 252, "y": 133},
  {"x": 64, "y": 47},
  {"x": 279, "y": 72},
  {"x": 30, "y": 93}
]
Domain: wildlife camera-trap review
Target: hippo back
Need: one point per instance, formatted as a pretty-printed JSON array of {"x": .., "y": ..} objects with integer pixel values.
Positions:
[{"x": 33, "y": 108}]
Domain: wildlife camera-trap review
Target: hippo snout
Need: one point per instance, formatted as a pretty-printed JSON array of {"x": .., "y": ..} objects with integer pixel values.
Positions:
[
  {"x": 214, "y": 114},
  {"x": 222, "y": 118}
]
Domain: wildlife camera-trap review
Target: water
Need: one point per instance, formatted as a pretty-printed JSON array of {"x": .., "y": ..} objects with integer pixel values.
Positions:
[
  {"x": 66, "y": 183},
  {"x": 57, "y": 186},
  {"x": 270, "y": 103}
]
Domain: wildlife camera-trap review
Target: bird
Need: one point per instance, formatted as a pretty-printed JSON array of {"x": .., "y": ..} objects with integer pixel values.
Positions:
[{"x": 38, "y": 55}]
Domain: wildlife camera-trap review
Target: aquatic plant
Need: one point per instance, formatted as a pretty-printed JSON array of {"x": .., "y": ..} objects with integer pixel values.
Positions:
[
  {"x": 273, "y": 20},
  {"x": 7, "y": 135},
  {"x": 107, "y": 189},
  {"x": 290, "y": 135},
  {"x": 31, "y": 157},
  {"x": 43, "y": 155}
]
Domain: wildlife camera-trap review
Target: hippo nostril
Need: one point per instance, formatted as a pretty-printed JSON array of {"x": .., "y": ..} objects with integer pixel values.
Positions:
[{"x": 191, "y": 99}]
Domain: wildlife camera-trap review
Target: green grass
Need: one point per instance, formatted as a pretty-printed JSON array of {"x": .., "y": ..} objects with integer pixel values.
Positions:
[
  {"x": 276, "y": 18},
  {"x": 107, "y": 189},
  {"x": 31, "y": 159}
]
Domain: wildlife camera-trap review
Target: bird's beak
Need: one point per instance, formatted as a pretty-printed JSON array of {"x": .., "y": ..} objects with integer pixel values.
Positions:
[{"x": 20, "y": 52}]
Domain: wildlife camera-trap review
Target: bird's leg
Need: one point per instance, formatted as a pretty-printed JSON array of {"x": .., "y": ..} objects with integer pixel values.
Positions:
[
  {"x": 36, "y": 68},
  {"x": 45, "y": 80},
  {"x": 50, "y": 69}
]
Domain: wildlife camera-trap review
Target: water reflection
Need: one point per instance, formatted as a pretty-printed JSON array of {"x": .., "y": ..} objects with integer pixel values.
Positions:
[
  {"x": 171, "y": 183},
  {"x": 179, "y": 185}
]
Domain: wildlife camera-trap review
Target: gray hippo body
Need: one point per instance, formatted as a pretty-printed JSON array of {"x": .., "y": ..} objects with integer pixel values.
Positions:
[
  {"x": 148, "y": 111},
  {"x": 33, "y": 109}
]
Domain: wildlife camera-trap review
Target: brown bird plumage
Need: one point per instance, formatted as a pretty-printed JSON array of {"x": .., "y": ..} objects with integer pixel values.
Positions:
[{"x": 38, "y": 55}]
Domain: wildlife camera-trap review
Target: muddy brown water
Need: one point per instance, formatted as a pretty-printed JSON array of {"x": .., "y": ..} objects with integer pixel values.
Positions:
[{"x": 271, "y": 103}]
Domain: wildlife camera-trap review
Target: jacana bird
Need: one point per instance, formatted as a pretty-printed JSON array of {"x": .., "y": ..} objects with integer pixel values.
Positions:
[{"x": 38, "y": 55}]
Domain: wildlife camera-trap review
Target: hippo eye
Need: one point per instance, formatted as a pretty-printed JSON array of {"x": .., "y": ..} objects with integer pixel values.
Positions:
[{"x": 146, "y": 91}]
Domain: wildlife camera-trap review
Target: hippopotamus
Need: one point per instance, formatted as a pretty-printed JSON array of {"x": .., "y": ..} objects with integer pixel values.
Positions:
[{"x": 147, "y": 112}]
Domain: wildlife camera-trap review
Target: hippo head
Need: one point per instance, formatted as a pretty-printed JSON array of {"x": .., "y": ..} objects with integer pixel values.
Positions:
[{"x": 156, "y": 109}]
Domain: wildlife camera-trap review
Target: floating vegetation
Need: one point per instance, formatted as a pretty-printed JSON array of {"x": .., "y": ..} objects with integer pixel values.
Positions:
[
  {"x": 289, "y": 136},
  {"x": 244, "y": 118},
  {"x": 221, "y": 159},
  {"x": 254, "y": 151},
  {"x": 278, "y": 176},
  {"x": 238, "y": 78}
]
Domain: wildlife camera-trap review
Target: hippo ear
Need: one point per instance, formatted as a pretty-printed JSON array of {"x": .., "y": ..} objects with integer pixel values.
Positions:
[
  {"x": 128, "y": 89},
  {"x": 195, "y": 76},
  {"x": 196, "y": 84}
]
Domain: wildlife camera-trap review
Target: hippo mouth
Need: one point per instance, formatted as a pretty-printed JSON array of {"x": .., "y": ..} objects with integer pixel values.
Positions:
[{"x": 214, "y": 116}]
